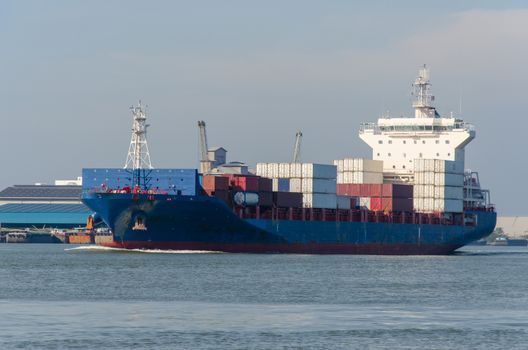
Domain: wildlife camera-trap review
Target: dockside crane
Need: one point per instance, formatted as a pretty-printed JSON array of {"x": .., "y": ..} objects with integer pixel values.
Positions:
[
  {"x": 297, "y": 147},
  {"x": 205, "y": 163}
]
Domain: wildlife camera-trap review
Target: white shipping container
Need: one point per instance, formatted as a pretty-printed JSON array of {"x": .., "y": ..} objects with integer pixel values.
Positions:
[
  {"x": 295, "y": 185},
  {"x": 424, "y": 205},
  {"x": 343, "y": 202},
  {"x": 361, "y": 164},
  {"x": 438, "y": 166},
  {"x": 262, "y": 169},
  {"x": 319, "y": 171},
  {"x": 348, "y": 177},
  {"x": 364, "y": 202},
  {"x": 340, "y": 178},
  {"x": 423, "y": 191},
  {"x": 319, "y": 200},
  {"x": 424, "y": 165},
  {"x": 448, "y": 192},
  {"x": 296, "y": 170},
  {"x": 424, "y": 178},
  {"x": 340, "y": 165},
  {"x": 362, "y": 178},
  {"x": 318, "y": 186},
  {"x": 370, "y": 178},
  {"x": 273, "y": 170},
  {"x": 284, "y": 170}
]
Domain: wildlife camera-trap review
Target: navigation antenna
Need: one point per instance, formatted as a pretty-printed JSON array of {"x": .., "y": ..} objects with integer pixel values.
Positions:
[
  {"x": 423, "y": 102},
  {"x": 297, "y": 147},
  {"x": 138, "y": 153}
]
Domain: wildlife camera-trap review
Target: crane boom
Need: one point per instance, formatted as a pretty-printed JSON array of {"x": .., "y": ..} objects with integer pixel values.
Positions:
[
  {"x": 297, "y": 147},
  {"x": 205, "y": 163},
  {"x": 203, "y": 140}
]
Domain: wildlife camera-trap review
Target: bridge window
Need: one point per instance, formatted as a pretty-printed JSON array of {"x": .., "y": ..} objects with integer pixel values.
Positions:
[
  {"x": 380, "y": 142},
  {"x": 447, "y": 142}
]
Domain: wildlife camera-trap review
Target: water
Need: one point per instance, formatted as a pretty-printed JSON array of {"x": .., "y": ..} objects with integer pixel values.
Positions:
[{"x": 52, "y": 296}]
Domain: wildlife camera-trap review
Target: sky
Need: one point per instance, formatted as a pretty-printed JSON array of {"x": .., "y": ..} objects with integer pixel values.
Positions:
[{"x": 256, "y": 72}]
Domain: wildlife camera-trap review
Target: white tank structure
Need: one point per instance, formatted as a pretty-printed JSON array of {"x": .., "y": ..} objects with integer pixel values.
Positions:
[{"x": 398, "y": 141}]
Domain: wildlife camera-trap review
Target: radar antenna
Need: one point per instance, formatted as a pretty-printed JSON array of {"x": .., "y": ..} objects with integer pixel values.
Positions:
[{"x": 422, "y": 92}]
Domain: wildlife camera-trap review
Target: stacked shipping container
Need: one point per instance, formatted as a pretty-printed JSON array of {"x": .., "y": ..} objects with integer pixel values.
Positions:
[
  {"x": 380, "y": 197},
  {"x": 438, "y": 186},
  {"x": 319, "y": 186},
  {"x": 248, "y": 190},
  {"x": 359, "y": 171},
  {"x": 316, "y": 182}
]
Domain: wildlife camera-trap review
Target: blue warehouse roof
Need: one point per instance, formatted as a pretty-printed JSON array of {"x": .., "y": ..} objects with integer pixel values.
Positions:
[
  {"x": 40, "y": 192},
  {"x": 44, "y": 208}
]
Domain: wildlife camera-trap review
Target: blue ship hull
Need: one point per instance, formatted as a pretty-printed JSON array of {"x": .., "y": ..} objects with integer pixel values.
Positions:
[{"x": 205, "y": 223}]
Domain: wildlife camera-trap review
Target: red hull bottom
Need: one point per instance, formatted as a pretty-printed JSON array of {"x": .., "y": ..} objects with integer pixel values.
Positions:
[{"x": 309, "y": 248}]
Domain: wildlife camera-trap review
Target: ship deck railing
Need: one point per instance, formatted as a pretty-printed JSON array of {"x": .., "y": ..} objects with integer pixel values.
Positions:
[
  {"x": 429, "y": 128},
  {"x": 350, "y": 215}
]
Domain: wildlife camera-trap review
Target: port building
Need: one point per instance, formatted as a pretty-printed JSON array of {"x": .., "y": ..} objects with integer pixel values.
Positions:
[{"x": 41, "y": 205}]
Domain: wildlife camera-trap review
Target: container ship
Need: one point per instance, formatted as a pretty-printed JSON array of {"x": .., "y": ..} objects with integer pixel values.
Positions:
[{"x": 413, "y": 197}]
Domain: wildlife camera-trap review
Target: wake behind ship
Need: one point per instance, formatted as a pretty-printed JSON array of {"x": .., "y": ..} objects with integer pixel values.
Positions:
[{"x": 413, "y": 197}]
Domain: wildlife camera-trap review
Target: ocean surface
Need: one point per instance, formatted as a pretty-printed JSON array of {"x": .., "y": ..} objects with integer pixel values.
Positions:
[{"x": 59, "y": 296}]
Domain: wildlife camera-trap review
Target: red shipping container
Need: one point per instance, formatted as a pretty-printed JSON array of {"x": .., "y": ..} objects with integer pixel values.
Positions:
[
  {"x": 375, "y": 190},
  {"x": 266, "y": 199},
  {"x": 211, "y": 182},
  {"x": 376, "y": 203},
  {"x": 386, "y": 204},
  {"x": 288, "y": 199},
  {"x": 349, "y": 190},
  {"x": 245, "y": 183},
  {"x": 265, "y": 184},
  {"x": 364, "y": 190}
]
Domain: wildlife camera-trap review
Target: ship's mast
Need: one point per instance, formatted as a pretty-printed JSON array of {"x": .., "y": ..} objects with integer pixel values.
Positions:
[
  {"x": 423, "y": 107},
  {"x": 138, "y": 153}
]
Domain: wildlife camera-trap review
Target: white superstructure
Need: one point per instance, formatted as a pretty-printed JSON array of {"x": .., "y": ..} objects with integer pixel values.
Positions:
[{"x": 399, "y": 141}]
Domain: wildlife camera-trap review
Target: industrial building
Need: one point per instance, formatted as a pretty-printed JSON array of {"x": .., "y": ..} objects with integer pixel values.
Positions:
[{"x": 42, "y": 206}]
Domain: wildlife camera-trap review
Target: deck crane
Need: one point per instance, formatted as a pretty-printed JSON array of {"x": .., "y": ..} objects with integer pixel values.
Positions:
[
  {"x": 297, "y": 147},
  {"x": 205, "y": 163}
]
